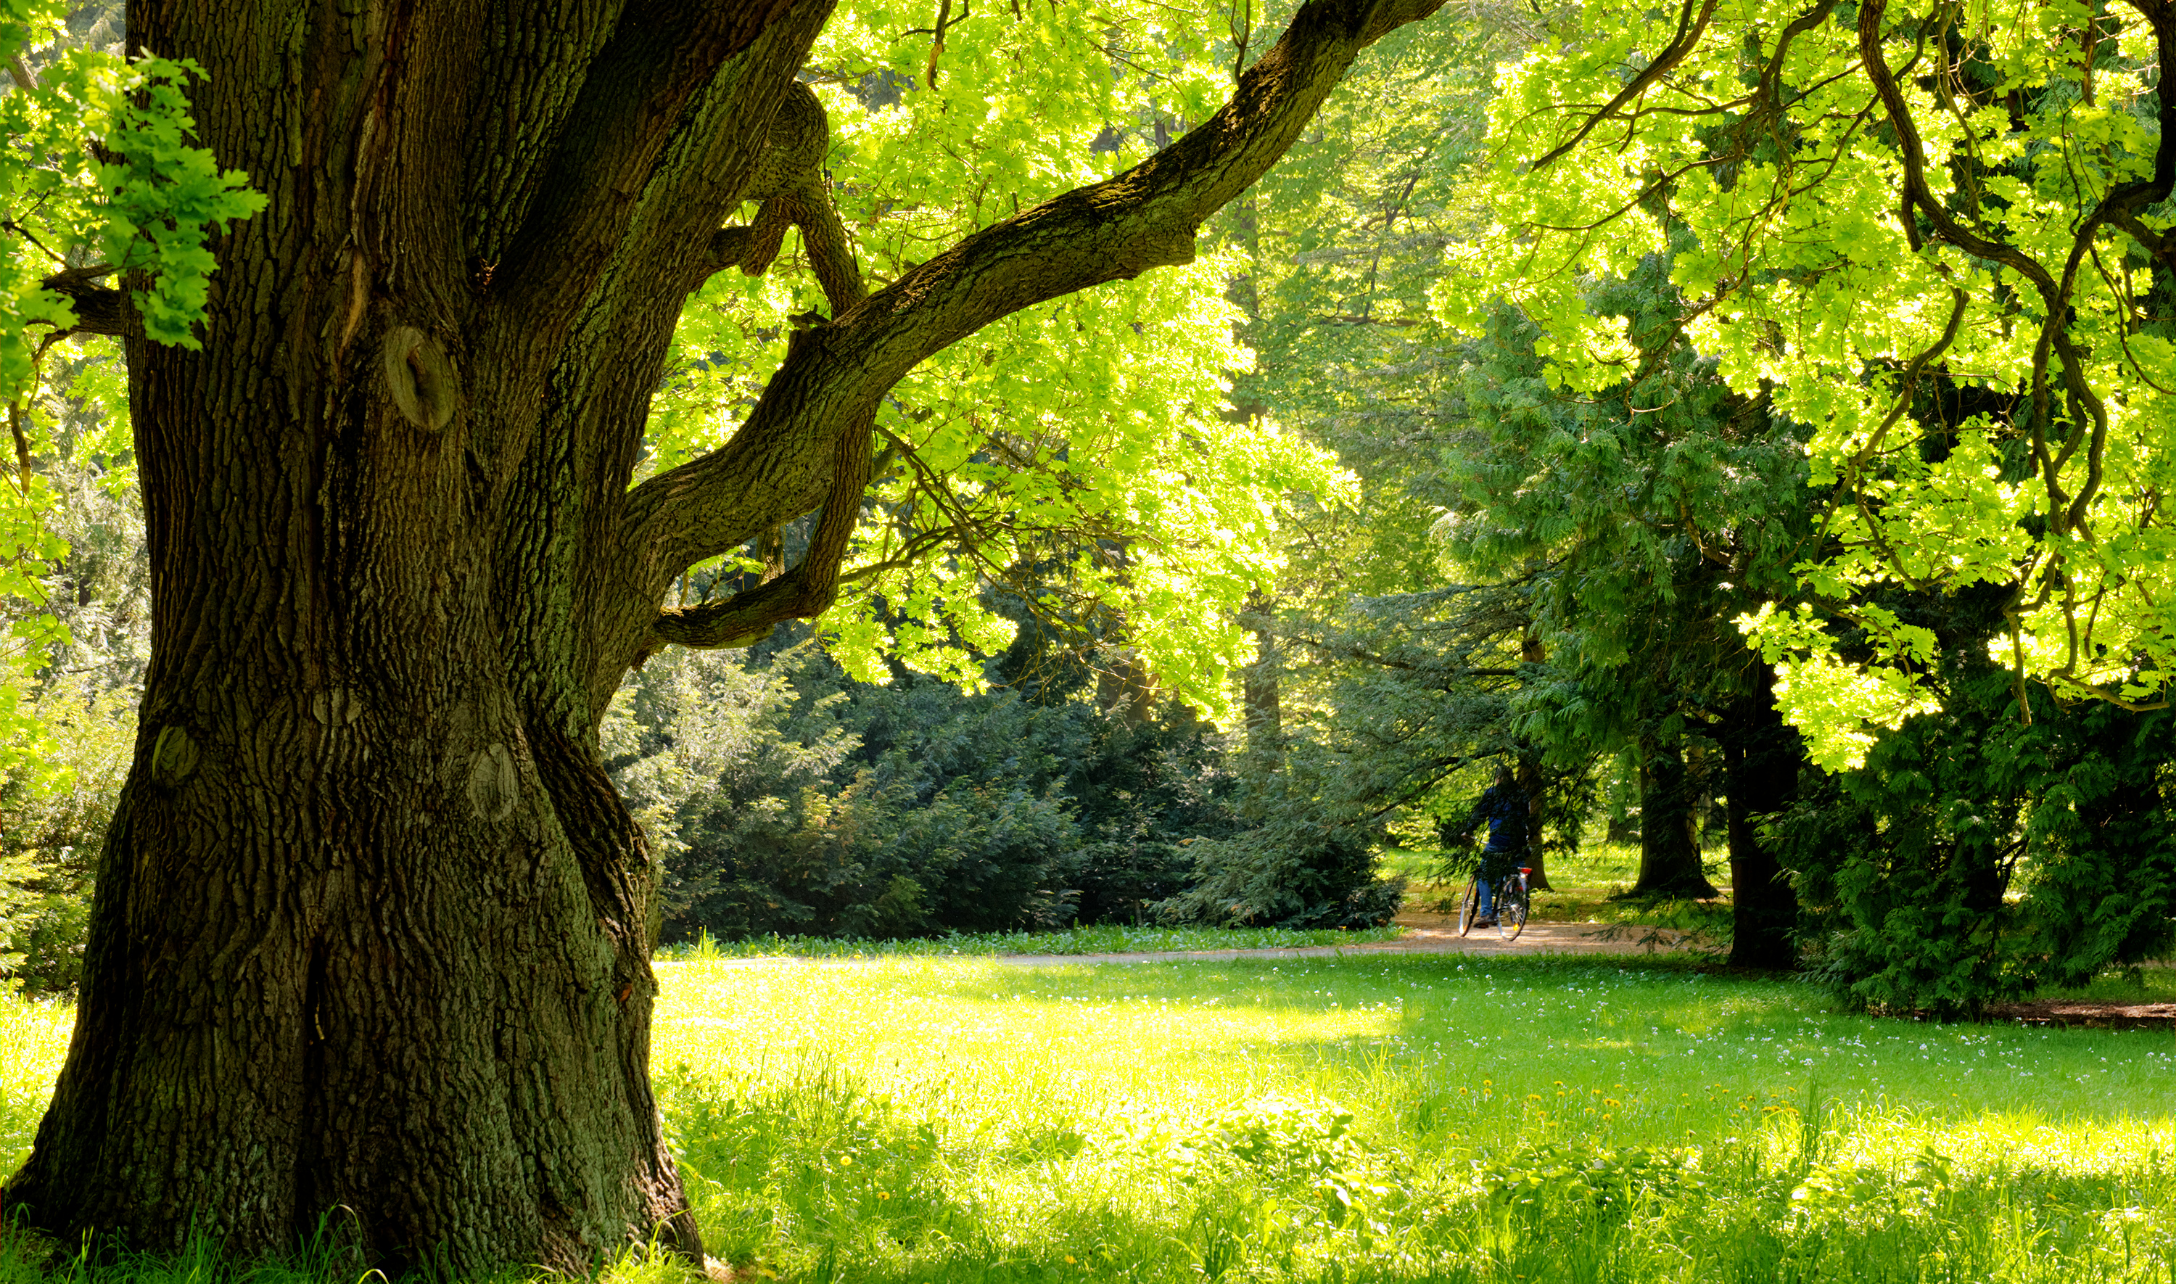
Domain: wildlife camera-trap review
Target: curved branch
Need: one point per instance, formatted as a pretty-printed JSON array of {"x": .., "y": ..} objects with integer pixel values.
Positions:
[
  {"x": 1771, "y": 78},
  {"x": 2091, "y": 427},
  {"x": 791, "y": 184},
  {"x": 1959, "y": 302},
  {"x": 801, "y": 593},
  {"x": 1689, "y": 29},
  {"x": 1912, "y": 154},
  {"x": 774, "y": 469}
]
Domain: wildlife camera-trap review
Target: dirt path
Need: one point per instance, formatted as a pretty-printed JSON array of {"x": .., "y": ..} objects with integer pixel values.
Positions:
[
  {"x": 2070, "y": 1014},
  {"x": 1424, "y": 934}
]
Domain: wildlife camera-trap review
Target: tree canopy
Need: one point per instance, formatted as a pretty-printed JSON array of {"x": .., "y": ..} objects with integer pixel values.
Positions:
[{"x": 1872, "y": 212}]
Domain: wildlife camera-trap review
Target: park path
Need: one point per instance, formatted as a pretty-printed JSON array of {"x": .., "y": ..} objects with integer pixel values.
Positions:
[{"x": 1424, "y": 934}]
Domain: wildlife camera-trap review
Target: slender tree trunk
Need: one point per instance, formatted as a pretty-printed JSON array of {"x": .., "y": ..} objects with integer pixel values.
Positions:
[
  {"x": 1761, "y": 761},
  {"x": 1528, "y": 777},
  {"x": 1669, "y": 827},
  {"x": 1261, "y": 691}
]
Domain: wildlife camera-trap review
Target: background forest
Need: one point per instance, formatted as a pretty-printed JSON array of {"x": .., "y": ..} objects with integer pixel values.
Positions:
[{"x": 1264, "y": 588}]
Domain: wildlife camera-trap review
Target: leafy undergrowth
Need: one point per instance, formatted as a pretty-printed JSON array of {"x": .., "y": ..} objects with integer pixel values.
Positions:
[
  {"x": 1107, "y": 938},
  {"x": 1382, "y": 1117}
]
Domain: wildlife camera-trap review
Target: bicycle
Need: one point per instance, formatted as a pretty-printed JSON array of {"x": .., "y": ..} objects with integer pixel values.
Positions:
[{"x": 1513, "y": 896}]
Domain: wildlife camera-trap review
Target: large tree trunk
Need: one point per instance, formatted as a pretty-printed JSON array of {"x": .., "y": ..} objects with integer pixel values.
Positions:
[
  {"x": 1761, "y": 758},
  {"x": 372, "y": 932},
  {"x": 1669, "y": 826},
  {"x": 371, "y": 939}
]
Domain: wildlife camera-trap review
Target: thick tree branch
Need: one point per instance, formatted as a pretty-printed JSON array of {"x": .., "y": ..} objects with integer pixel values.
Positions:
[
  {"x": 801, "y": 593},
  {"x": 747, "y": 19},
  {"x": 662, "y": 54},
  {"x": 790, "y": 182},
  {"x": 830, "y": 254},
  {"x": 100, "y": 309},
  {"x": 1144, "y": 218}
]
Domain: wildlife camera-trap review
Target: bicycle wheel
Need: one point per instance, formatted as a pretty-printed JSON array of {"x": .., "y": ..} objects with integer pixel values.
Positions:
[
  {"x": 1467, "y": 906},
  {"x": 1511, "y": 907}
]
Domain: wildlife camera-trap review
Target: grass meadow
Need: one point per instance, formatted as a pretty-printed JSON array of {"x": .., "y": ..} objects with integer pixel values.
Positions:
[{"x": 1372, "y": 1117}]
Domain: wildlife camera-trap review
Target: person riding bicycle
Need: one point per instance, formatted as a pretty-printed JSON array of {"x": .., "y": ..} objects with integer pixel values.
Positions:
[{"x": 1503, "y": 806}]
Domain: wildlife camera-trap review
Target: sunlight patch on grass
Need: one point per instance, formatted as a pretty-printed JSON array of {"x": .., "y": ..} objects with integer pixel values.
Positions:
[{"x": 1097, "y": 1110}]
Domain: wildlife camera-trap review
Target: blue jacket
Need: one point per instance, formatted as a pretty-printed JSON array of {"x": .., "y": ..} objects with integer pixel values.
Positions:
[{"x": 1504, "y": 808}]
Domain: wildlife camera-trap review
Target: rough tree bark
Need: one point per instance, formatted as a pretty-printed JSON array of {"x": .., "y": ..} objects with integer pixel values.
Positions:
[{"x": 372, "y": 931}]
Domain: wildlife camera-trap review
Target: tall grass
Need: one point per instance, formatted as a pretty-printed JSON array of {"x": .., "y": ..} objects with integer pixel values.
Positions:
[{"x": 1380, "y": 1117}]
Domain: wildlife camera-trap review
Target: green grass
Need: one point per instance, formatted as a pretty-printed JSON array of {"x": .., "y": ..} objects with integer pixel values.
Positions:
[
  {"x": 1106, "y": 938},
  {"x": 1560, "y": 1120},
  {"x": 1383, "y": 1117}
]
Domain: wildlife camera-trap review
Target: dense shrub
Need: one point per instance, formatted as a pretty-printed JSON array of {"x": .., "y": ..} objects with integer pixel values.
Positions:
[
  {"x": 1295, "y": 873},
  {"x": 1979, "y": 855},
  {"x": 782, "y": 798},
  {"x": 1145, "y": 797}
]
